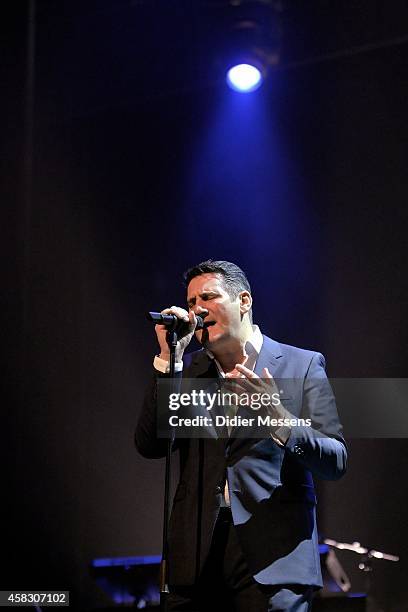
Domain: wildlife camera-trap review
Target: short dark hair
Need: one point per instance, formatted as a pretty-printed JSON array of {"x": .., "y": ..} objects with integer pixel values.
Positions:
[{"x": 234, "y": 278}]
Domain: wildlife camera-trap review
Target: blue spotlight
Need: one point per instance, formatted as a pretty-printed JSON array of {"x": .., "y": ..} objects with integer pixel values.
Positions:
[{"x": 244, "y": 78}]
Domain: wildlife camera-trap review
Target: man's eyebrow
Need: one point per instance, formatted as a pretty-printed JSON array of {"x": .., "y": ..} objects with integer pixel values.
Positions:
[{"x": 192, "y": 299}]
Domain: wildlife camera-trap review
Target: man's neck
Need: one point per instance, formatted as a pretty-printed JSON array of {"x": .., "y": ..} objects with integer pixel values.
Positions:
[{"x": 233, "y": 351}]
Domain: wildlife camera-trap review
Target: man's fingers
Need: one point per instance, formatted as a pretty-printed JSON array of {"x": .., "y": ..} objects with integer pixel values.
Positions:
[
  {"x": 193, "y": 319},
  {"x": 245, "y": 371},
  {"x": 180, "y": 313},
  {"x": 236, "y": 385},
  {"x": 249, "y": 374}
]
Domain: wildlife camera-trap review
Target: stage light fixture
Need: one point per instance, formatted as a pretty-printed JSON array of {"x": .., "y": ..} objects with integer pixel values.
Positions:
[
  {"x": 252, "y": 43},
  {"x": 244, "y": 78}
]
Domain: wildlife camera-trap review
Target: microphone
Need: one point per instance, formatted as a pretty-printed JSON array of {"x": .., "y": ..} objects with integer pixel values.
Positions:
[{"x": 173, "y": 323}]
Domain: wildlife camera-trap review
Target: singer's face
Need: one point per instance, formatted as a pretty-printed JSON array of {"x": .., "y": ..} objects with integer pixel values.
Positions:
[{"x": 206, "y": 295}]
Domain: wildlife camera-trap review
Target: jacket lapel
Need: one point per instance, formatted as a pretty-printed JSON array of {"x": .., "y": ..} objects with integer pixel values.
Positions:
[{"x": 270, "y": 356}]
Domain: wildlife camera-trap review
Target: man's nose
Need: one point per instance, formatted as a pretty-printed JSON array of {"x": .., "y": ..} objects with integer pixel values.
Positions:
[{"x": 200, "y": 310}]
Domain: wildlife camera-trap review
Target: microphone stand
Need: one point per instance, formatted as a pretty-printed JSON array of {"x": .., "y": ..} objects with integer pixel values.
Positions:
[
  {"x": 164, "y": 587},
  {"x": 173, "y": 330}
]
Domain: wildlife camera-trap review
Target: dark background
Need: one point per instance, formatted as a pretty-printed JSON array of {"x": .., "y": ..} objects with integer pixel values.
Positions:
[{"x": 125, "y": 160}]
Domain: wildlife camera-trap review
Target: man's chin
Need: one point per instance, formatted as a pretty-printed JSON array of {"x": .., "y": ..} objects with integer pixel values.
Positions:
[{"x": 212, "y": 341}]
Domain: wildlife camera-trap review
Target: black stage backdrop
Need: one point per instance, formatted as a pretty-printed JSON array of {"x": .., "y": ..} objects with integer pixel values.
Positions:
[{"x": 113, "y": 192}]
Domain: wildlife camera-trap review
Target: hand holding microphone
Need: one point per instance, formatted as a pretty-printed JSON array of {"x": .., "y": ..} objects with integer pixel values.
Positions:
[{"x": 177, "y": 318}]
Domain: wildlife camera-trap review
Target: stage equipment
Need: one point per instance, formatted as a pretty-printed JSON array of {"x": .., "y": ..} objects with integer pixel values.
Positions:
[
  {"x": 247, "y": 38},
  {"x": 129, "y": 580},
  {"x": 335, "y": 579},
  {"x": 361, "y": 550},
  {"x": 175, "y": 329},
  {"x": 244, "y": 78},
  {"x": 368, "y": 555}
]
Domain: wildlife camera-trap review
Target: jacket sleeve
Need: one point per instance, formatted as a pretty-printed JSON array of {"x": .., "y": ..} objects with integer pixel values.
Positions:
[
  {"x": 320, "y": 448},
  {"x": 147, "y": 441}
]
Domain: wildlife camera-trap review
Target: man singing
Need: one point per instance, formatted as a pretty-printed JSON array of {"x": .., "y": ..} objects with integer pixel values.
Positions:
[{"x": 242, "y": 534}]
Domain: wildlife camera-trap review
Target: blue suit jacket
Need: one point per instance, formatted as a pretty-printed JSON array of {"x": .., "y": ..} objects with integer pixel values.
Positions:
[{"x": 271, "y": 488}]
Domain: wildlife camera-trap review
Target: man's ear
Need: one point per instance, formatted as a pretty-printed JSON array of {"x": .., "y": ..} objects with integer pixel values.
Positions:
[{"x": 245, "y": 299}]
